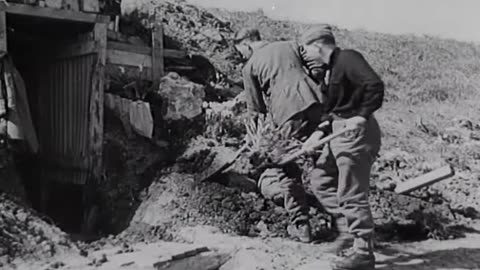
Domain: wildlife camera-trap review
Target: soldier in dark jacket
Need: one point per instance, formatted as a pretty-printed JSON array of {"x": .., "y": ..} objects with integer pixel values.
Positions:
[{"x": 353, "y": 92}]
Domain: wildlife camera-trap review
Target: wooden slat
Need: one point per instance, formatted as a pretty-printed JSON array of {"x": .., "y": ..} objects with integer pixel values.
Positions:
[
  {"x": 157, "y": 53},
  {"x": 184, "y": 68},
  {"x": 129, "y": 72},
  {"x": 3, "y": 32},
  {"x": 96, "y": 102},
  {"x": 167, "y": 53},
  {"x": 170, "y": 53},
  {"x": 128, "y": 59},
  {"x": 425, "y": 180},
  {"x": 58, "y": 14},
  {"x": 119, "y": 46}
]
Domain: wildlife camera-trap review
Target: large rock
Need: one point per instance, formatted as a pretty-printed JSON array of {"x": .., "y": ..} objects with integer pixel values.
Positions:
[{"x": 182, "y": 98}]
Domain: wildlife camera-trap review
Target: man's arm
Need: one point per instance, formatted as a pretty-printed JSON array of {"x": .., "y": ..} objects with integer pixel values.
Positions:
[
  {"x": 361, "y": 74},
  {"x": 253, "y": 91}
]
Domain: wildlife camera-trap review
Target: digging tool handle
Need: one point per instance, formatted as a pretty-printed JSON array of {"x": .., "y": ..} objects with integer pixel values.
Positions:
[
  {"x": 321, "y": 142},
  {"x": 239, "y": 151},
  {"x": 234, "y": 158}
]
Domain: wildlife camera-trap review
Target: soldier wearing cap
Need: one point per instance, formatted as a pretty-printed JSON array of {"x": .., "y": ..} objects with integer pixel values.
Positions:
[
  {"x": 276, "y": 70},
  {"x": 341, "y": 178}
]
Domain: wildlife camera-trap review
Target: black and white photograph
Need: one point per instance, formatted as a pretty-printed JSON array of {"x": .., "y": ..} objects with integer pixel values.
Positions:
[{"x": 239, "y": 135}]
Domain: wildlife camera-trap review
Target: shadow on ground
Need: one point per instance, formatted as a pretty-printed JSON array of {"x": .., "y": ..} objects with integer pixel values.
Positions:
[{"x": 459, "y": 258}]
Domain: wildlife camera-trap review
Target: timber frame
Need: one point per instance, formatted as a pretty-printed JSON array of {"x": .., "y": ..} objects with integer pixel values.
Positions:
[
  {"x": 52, "y": 13},
  {"x": 97, "y": 44},
  {"x": 140, "y": 61}
]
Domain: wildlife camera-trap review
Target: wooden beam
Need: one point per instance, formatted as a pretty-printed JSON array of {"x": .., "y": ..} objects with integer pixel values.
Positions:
[
  {"x": 167, "y": 53},
  {"x": 180, "y": 68},
  {"x": 157, "y": 53},
  {"x": 170, "y": 53},
  {"x": 3, "y": 32},
  {"x": 59, "y": 14},
  {"x": 425, "y": 180},
  {"x": 129, "y": 59},
  {"x": 96, "y": 102},
  {"x": 134, "y": 73},
  {"x": 120, "y": 46}
]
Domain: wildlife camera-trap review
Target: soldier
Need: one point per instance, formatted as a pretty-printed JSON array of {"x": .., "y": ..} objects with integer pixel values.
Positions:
[
  {"x": 341, "y": 177},
  {"x": 276, "y": 70}
]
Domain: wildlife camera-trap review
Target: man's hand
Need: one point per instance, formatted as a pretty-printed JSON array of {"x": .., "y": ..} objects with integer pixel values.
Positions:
[
  {"x": 311, "y": 144},
  {"x": 355, "y": 123}
]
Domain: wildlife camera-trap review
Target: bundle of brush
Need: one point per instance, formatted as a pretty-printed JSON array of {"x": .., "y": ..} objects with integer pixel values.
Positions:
[{"x": 267, "y": 145}]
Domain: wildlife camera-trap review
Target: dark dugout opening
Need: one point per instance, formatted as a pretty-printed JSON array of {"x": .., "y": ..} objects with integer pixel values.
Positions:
[{"x": 50, "y": 185}]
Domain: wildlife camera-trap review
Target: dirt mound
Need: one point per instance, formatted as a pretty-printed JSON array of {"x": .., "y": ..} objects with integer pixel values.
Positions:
[
  {"x": 25, "y": 235},
  {"x": 175, "y": 201}
]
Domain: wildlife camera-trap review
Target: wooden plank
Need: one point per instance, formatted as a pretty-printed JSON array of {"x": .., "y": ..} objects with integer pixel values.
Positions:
[
  {"x": 3, "y": 32},
  {"x": 135, "y": 73},
  {"x": 76, "y": 49},
  {"x": 204, "y": 261},
  {"x": 120, "y": 46},
  {"x": 129, "y": 59},
  {"x": 96, "y": 102},
  {"x": 168, "y": 53},
  {"x": 180, "y": 68},
  {"x": 59, "y": 14},
  {"x": 425, "y": 180},
  {"x": 157, "y": 53}
]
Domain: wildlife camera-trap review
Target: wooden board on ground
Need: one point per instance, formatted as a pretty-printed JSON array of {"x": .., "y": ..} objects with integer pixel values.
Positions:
[
  {"x": 425, "y": 180},
  {"x": 204, "y": 261}
]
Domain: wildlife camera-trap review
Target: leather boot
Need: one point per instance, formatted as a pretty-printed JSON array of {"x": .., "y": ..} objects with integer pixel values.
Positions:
[
  {"x": 342, "y": 239},
  {"x": 355, "y": 261},
  {"x": 300, "y": 231},
  {"x": 362, "y": 257}
]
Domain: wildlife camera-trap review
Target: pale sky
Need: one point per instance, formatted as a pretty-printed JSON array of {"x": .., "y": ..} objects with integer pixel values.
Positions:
[{"x": 457, "y": 19}]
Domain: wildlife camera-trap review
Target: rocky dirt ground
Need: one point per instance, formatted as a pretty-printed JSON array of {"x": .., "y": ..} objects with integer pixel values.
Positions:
[{"x": 266, "y": 253}]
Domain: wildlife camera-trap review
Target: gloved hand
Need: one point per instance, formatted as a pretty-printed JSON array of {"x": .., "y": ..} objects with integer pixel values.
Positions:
[
  {"x": 355, "y": 123},
  {"x": 311, "y": 144}
]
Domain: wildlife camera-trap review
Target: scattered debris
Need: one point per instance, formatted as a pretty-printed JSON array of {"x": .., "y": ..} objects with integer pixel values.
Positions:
[{"x": 25, "y": 234}]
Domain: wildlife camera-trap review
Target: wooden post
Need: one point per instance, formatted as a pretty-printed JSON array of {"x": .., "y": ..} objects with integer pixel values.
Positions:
[
  {"x": 95, "y": 126},
  {"x": 3, "y": 32},
  {"x": 157, "y": 51},
  {"x": 96, "y": 101}
]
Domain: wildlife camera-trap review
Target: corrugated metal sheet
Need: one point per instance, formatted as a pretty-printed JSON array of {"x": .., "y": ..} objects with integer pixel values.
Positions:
[{"x": 64, "y": 130}]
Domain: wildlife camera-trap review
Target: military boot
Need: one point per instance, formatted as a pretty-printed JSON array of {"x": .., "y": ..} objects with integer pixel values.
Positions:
[
  {"x": 300, "y": 231},
  {"x": 341, "y": 239},
  {"x": 362, "y": 257}
]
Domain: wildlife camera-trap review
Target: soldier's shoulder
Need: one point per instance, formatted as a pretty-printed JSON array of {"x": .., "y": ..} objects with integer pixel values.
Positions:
[{"x": 350, "y": 53}]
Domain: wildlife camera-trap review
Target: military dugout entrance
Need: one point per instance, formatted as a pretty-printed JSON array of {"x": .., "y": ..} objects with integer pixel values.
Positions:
[{"x": 61, "y": 56}]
